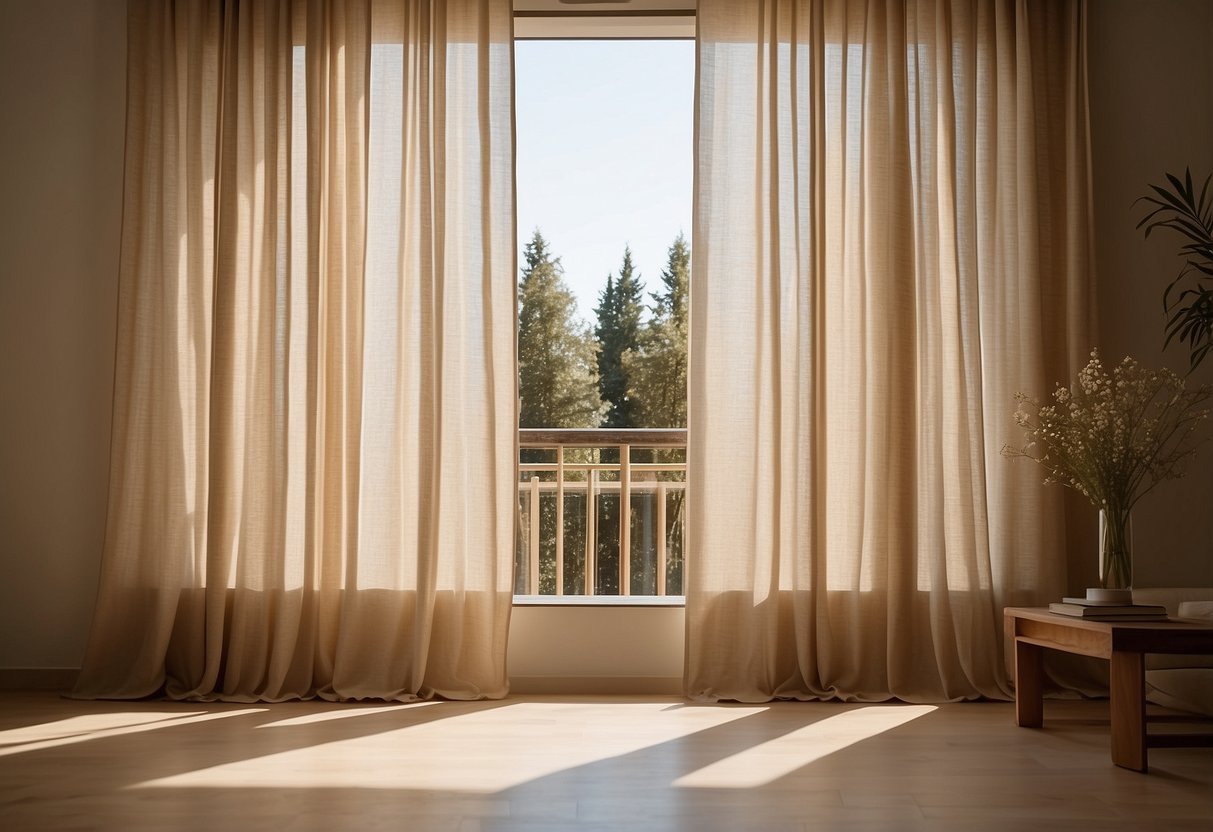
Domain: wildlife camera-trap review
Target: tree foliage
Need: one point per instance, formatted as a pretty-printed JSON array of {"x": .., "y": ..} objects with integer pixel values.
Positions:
[
  {"x": 558, "y": 382},
  {"x": 657, "y": 375},
  {"x": 656, "y": 368},
  {"x": 619, "y": 313}
]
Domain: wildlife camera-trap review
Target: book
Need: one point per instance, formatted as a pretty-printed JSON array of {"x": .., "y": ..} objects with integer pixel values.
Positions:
[
  {"x": 1071, "y": 607},
  {"x": 1087, "y": 602},
  {"x": 1123, "y": 612},
  {"x": 1124, "y": 619}
]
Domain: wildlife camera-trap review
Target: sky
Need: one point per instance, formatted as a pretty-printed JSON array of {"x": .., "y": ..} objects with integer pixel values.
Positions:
[{"x": 604, "y": 148}]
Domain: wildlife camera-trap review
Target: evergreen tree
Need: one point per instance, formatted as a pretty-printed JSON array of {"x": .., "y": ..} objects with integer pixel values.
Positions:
[
  {"x": 657, "y": 368},
  {"x": 676, "y": 280},
  {"x": 558, "y": 385},
  {"x": 619, "y": 311},
  {"x": 657, "y": 377}
]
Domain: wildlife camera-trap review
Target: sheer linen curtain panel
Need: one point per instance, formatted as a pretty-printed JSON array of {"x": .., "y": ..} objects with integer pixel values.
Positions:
[
  {"x": 314, "y": 431},
  {"x": 891, "y": 238}
]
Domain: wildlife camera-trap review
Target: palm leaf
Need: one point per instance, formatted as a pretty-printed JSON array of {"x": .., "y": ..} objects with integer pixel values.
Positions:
[{"x": 1176, "y": 207}]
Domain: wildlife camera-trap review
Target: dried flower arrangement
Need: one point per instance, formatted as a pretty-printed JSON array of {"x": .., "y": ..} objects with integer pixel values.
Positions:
[{"x": 1113, "y": 437}]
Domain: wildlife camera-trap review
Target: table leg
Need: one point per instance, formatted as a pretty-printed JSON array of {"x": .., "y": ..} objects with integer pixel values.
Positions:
[
  {"x": 1127, "y": 688},
  {"x": 1029, "y": 685}
]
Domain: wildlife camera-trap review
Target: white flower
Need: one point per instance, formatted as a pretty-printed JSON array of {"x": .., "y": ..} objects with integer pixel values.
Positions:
[{"x": 1113, "y": 437}]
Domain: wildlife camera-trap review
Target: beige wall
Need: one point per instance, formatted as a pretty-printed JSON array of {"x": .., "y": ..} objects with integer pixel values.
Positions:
[
  {"x": 62, "y": 99},
  {"x": 62, "y": 93},
  {"x": 596, "y": 649},
  {"x": 1151, "y": 85}
]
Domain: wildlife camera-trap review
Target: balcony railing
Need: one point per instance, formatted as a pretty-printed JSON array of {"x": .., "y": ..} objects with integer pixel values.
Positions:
[{"x": 601, "y": 512}]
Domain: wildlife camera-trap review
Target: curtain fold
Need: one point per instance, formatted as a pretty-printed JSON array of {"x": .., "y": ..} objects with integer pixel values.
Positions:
[
  {"x": 891, "y": 238},
  {"x": 314, "y": 433}
]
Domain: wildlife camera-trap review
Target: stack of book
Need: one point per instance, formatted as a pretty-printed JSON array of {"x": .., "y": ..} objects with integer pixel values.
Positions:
[{"x": 1108, "y": 610}]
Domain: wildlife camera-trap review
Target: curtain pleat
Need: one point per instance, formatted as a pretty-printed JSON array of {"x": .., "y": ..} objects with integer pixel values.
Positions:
[
  {"x": 314, "y": 433},
  {"x": 891, "y": 240}
]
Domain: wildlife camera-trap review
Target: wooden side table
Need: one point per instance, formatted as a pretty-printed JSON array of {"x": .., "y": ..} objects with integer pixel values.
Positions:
[{"x": 1124, "y": 644}]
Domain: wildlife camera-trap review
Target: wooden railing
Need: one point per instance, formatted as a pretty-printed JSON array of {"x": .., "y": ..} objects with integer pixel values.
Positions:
[{"x": 601, "y": 511}]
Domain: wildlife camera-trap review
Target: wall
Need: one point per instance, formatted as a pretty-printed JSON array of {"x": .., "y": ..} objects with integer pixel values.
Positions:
[
  {"x": 62, "y": 88},
  {"x": 1151, "y": 87},
  {"x": 596, "y": 649}
]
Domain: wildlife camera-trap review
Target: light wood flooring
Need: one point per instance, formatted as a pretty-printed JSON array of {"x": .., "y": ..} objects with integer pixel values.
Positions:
[{"x": 580, "y": 763}]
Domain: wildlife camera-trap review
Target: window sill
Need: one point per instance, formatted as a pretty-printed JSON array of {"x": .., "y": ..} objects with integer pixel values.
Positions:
[{"x": 599, "y": 601}]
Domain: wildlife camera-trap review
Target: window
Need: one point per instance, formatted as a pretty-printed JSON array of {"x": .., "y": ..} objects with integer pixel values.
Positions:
[{"x": 604, "y": 114}]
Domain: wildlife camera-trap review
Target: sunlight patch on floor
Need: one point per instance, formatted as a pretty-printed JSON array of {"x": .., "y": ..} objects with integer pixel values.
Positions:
[
  {"x": 345, "y": 713},
  {"x": 76, "y": 726},
  {"x": 510, "y": 745},
  {"x": 771, "y": 760},
  {"x": 104, "y": 726}
]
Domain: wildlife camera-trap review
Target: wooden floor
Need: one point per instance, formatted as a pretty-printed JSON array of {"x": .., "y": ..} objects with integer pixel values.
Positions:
[{"x": 580, "y": 763}]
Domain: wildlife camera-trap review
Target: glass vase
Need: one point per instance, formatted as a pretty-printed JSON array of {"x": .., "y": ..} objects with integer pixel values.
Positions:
[{"x": 1115, "y": 549}]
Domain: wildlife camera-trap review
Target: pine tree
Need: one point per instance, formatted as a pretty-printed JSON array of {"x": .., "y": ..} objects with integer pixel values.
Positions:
[
  {"x": 657, "y": 375},
  {"x": 657, "y": 368},
  {"x": 558, "y": 388},
  {"x": 619, "y": 312},
  {"x": 673, "y": 302},
  {"x": 558, "y": 385}
]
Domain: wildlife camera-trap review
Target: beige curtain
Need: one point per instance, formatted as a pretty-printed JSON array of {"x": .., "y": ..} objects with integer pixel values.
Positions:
[
  {"x": 314, "y": 428},
  {"x": 891, "y": 239}
]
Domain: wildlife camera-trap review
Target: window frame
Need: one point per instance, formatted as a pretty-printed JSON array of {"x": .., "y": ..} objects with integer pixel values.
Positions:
[{"x": 618, "y": 20}]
